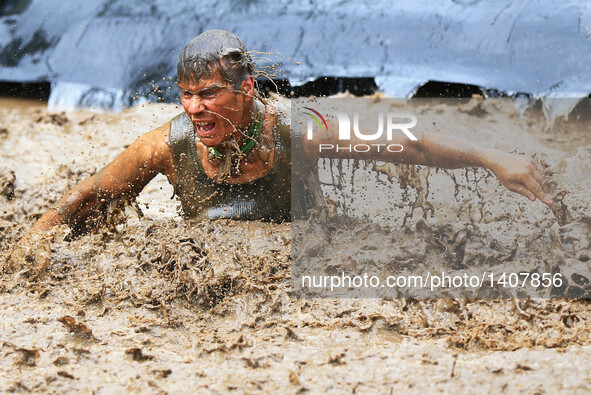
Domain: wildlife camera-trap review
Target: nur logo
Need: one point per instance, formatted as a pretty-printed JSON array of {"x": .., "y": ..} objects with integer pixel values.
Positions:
[
  {"x": 387, "y": 123},
  {"x": 345, "y": 125}
]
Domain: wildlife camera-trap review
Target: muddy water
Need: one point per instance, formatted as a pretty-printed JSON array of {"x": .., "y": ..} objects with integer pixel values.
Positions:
[
  {"x": 159, "y": 304},
  {"x": 412, "y": 220}
]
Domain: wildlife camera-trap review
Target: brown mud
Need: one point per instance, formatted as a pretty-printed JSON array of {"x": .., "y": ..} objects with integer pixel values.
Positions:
[{"x": 159, "y": 304}]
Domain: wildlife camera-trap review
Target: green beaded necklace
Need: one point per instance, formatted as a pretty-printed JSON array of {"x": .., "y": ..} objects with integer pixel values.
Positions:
[{"x": 252, "y": 135}]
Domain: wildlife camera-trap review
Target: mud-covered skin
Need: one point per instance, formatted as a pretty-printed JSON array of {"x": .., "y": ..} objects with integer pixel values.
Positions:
[
  {"x": 125, "y": 177},
  {"x": 266, "y": 198}
]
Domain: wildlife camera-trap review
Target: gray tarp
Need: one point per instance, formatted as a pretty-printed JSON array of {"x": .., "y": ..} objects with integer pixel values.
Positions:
[{"x": 102, "y": 52}]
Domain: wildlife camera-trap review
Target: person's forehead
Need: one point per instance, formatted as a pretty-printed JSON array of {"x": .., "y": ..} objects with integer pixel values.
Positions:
[{"x": 205, "y": 82}]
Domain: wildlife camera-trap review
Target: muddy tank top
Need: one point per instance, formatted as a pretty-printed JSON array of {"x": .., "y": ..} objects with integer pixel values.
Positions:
[{"x": 266, "y": 198}]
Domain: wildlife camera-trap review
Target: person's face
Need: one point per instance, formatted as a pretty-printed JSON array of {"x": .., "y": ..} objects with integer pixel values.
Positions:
[{"x": 215, "y": 108}]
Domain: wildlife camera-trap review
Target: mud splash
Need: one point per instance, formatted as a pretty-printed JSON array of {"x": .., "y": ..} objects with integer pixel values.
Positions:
[{"x": 160, "y": 304}]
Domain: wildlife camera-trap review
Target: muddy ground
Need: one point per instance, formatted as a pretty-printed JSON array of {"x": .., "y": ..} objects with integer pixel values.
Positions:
[{"x": 157, "y": 304}]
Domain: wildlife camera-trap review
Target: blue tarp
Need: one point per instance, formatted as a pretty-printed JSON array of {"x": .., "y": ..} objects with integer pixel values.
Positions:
[{"x": 103, "y": 52}]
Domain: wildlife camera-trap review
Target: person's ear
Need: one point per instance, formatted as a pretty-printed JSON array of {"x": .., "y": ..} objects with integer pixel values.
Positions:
[{"x": 247, "y": 86}]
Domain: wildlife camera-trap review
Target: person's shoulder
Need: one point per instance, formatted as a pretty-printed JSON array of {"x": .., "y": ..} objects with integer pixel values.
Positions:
[
  {"x": 156, "y": 149},
  {"x": 156, "y": 141}
]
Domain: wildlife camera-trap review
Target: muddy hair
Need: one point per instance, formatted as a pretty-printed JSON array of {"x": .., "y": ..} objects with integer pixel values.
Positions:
[{"x": 215, "y": 50}]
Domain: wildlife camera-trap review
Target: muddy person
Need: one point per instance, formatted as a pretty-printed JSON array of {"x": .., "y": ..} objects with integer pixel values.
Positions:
[{"x": 228, "y": 154}]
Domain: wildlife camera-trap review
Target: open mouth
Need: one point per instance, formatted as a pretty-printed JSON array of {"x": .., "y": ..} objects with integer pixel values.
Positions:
[{"x": 204, "y": 128}]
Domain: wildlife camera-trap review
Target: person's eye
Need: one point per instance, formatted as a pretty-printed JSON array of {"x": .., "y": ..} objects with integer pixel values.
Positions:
[{"x": 210, "y": 94}]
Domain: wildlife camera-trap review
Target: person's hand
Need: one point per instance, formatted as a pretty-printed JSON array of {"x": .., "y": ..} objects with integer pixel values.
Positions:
[{"x": 519, "y": 175}]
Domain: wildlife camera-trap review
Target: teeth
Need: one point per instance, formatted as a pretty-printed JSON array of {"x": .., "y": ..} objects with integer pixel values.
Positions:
[{"x": 203, "y": 123}]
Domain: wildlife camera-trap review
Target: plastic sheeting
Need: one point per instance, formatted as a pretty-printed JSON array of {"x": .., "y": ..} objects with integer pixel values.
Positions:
[{"x": 113, "y": 51}]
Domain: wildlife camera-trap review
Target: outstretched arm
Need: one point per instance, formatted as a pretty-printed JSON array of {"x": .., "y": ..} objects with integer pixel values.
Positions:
[
  {"x": 515, "y": 173},
  {"x": 126, "y": 175}
]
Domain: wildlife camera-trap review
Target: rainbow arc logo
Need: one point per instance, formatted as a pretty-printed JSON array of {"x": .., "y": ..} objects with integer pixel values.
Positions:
[{"x": 316, "y": 117}]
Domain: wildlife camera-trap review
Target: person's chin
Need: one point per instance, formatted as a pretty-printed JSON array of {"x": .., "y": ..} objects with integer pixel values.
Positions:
[{"x": 210, "y": 141}]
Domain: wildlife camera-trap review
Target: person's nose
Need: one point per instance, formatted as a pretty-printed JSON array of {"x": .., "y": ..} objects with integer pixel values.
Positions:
[{"x": 196, "y": 105}]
